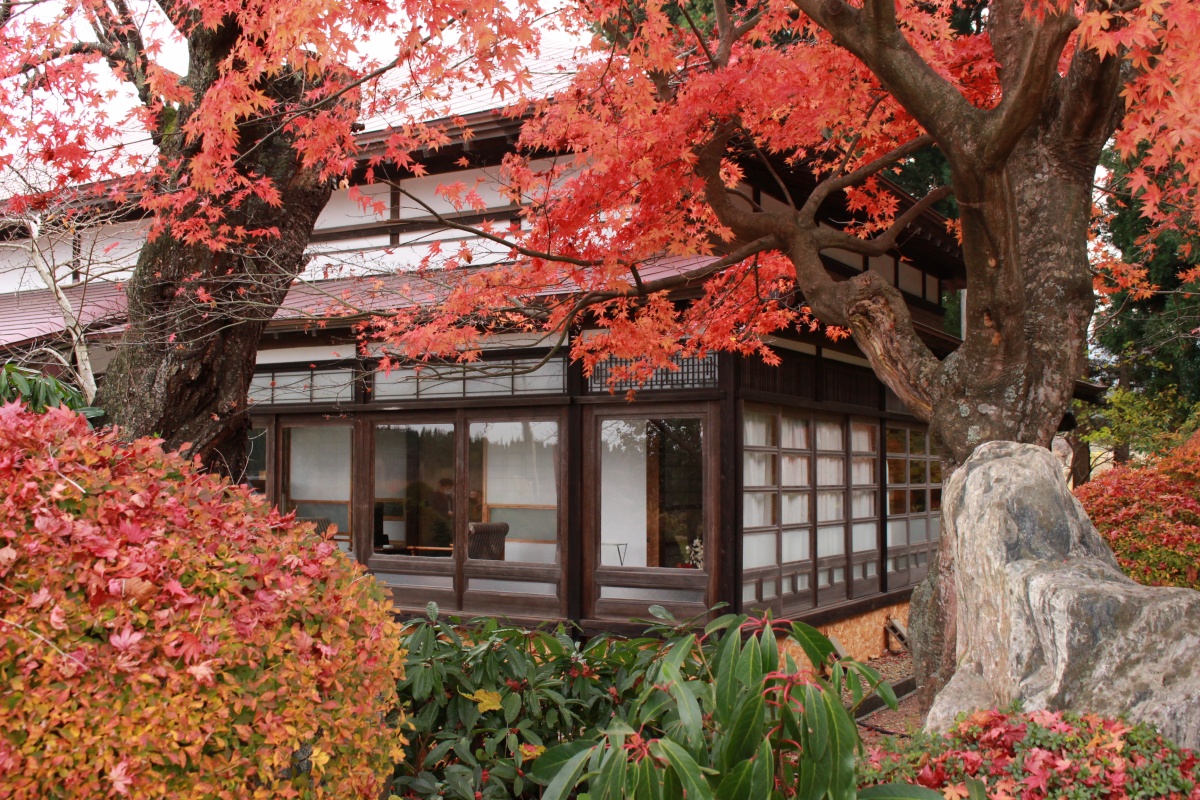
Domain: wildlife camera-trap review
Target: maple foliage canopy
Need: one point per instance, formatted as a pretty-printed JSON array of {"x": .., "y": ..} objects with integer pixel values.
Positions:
[
  {"x": 90, "y": 96},
  {"x": 673, "y": 101}
]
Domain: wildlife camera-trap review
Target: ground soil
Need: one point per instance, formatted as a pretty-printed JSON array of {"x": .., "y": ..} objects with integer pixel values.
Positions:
[{"x": 903, "y": 721}]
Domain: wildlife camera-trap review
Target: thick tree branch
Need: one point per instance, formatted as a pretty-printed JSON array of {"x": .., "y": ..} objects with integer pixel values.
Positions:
[
  {"x": 876, "y": 41},
  {"x": 1025, "y": 98},
  {"x": 744, "y": 223}
]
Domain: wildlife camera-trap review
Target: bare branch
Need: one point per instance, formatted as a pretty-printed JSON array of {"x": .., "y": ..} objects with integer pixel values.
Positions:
[
  {"x": 826, "y": 238},
  {"x": 525, "y": 251},
  {"x": 838, "y": 182}
]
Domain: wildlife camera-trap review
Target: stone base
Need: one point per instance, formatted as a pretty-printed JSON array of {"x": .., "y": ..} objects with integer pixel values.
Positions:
[{"x": 1046, "y": 617}]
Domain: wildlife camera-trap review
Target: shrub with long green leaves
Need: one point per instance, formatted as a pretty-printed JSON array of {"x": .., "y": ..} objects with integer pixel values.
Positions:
[{"x": 499, "y": 712}]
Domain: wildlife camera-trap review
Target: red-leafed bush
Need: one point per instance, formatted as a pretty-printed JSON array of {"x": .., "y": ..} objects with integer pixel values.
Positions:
[
  {"x": 165, "y": 634},
  {"x": 1038, "y": 755},
  {"x": 1150, "y": 516}
]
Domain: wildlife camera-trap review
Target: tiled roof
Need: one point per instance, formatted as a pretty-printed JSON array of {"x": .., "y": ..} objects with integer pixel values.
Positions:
[
  {"x": 31, "y": 315},
  {"x": 28, "y": 315}
]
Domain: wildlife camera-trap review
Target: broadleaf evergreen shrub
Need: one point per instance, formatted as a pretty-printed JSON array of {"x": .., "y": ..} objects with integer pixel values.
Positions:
[
  {"x": 500, "y": 712},
  {"x": 1150, "y": 516},
  {"x": 1008, "y": 755},
  {"x": 165, "y": 634}
]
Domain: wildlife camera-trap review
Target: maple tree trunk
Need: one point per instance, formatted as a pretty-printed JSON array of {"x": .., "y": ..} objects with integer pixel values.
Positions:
[
  {"x": 196, "y": 315},
  {"x": 1012, "y": 379}
]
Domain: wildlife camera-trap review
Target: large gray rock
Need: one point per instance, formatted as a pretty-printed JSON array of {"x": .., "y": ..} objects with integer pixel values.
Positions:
[{"x": 1044, "y": 614}]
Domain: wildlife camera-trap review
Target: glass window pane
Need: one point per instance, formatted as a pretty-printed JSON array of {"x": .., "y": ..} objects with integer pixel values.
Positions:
[
  {"x": 758, "y": 550},
  {"x": 897, "y": 440},
  {"x": 829, "y": 435},
  {"x": 397, "y": 383},
  {"x": 916, "y": 501},
  {"x": 549, "y": 378},
  {"x": 831, "y": 506},
  {"x": 935, "y": 471},
  {"x": 795, "y": 470},
  {"x": 935, "y": 499},
  {"x": 768, "y": 590},
  {"x": 916, "y": 442},
  {"x": 897, "y": 472},
  {"x": 414, "y": 490},
  {"x": 917, "y": 530},
  {"x": 935, "y": 528},
  {"x": 795, "y": 508},
  {"x": 260, "y": 388},
  {"x": 514, "y": 482},
  {"x": 897, "y": 533},
  {"x": 440, "y": 382},
  {"x": 651, "y": 493},
  {"x": 796, "y": 545},
  {"x": 837, "y": 574},
  {"x": 758, "y": 469},
  {"x": 830, "y": 471},
  {"x": 316, "y": 473},
  {"x": 898, "y": 502},
  {"x": 795, "y": 433},
  {"x": 333, "y": 386},
  {"x": 862, "y": 470},
  {"x": 916, "y": 472},
  {"x": 759, "y": 429},
  {"x": 758, "y": 509},
  {"x": 256, "y": 460},
  {"x": 863, "y": 437},
  {"x": 865, "y": 536},
  {"x": 862, "y": 503},
  {"x": 831, "y": 541}
]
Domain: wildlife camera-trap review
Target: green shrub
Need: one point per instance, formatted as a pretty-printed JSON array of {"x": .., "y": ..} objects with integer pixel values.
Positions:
[
  {"x": 164, "y": 634},
  {"x": 1006, "y": 755},
  {"x": 501, "y": 712}
]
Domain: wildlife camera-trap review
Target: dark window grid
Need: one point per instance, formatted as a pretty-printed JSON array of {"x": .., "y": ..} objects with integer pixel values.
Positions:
[
  {"x": 695, "y": 372},
  {"x": 908, "y": 562},
  {"x": 759, "y": 575}
]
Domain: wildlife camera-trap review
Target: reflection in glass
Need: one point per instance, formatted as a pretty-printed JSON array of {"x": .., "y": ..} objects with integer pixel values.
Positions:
[
  {"x": 916, "y": 471},
  {"x": 651, "y": 493},
  {"x": 414, "y": 490},
  {"x": 896, "y": 471},
  {"x": 316, "y": 477},
  {"x": 896, "y": 440},
  {"x": 256, "y": 461},
  {"x": 514, "y": 483}
]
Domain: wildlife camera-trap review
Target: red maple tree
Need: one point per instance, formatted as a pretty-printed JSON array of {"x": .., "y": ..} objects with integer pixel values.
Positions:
[
  {"x": 679, "y": 99},
  {"x": 231, "y": 158}
]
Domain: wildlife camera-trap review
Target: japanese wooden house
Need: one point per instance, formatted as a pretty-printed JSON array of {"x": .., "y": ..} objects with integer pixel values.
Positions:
[{"x": 540, "y": 494}]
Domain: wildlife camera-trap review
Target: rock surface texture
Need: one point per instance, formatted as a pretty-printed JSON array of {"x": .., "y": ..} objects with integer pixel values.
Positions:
[{"x": 1045, "y": 616}]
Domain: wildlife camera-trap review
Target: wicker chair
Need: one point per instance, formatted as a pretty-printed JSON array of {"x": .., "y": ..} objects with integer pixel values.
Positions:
[{"x": 485, "y": 540}]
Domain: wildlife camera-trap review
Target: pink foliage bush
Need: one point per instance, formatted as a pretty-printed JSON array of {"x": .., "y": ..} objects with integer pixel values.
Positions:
[
  {"x": 1040, "y": 755},
  {"x": 166, "y": 634}
]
